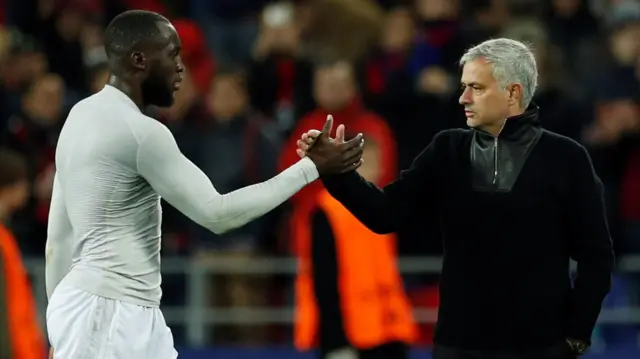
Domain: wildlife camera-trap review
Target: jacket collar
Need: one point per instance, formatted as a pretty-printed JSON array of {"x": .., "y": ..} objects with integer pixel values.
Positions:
[{"x": 516, "y": 127}]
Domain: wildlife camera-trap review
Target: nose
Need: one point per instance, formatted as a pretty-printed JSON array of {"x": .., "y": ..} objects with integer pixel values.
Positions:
[
  {"x": 465, "y": 97},
  {"x": 179, "y": 66}
]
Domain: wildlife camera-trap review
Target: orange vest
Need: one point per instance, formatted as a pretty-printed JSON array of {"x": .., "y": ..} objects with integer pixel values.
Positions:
[
  {"x": 27, "y": 339},
  {"x": 374, "y": 305}
]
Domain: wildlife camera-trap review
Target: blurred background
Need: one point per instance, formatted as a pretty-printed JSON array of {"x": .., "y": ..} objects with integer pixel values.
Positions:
[{"x": 260, "y": 72}]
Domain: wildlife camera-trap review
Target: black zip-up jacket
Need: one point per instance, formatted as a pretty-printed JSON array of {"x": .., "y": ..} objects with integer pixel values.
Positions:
[{"x": 513, "y": 210}]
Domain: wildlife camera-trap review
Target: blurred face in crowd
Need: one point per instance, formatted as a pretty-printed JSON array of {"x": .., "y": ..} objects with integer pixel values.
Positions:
[
  {"x": 566, "y": 7},
  {"x": 279, "y": 27},
  {"x": 228, "y": 97},
  {"x": 486, "y": 103},
  {"x": 334, "y": 87},
  {"x": 99, "y": 79},
  {"x": 436, "y": 9},
  {"x": 70, "y": 24},
  {"x": 371, "y": 169},
  {"x": 398, "y": 31},
  {"x": 45, "y": 101},
  {"x": 625, "y": 45},
  {"x": 13, "y": 197}
]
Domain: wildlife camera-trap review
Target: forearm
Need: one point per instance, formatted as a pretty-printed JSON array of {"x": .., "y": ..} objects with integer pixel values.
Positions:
[
  {"x": 595, "y": 260},
  {"x": 364, "y": 200},
  {"x": 58, "y": 249},
  {"x": 189, "y": 190},
  {"x": 591, "y": 286},
  {"x": 590, "y": 247},
  {"x": 57, "y": 264}
]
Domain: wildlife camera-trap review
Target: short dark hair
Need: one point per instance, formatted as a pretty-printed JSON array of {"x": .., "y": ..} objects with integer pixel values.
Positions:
[
  {"x": 129, "y": 28},
  {"x": 13, "y": 168}
]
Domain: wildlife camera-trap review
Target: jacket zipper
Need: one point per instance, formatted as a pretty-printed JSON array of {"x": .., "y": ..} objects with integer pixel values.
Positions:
[
  {"x": 495, "y": 160},
  {"x": 495, "y": 154}
]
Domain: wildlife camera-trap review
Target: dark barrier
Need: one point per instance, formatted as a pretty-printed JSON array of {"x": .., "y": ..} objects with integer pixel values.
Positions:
[{"x": 286, "y": 353}]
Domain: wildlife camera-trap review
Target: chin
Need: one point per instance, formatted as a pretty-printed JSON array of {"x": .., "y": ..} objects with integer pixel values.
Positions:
[
  {"x": 165, "y": 102},
  {"x": 471, "y": 122}
]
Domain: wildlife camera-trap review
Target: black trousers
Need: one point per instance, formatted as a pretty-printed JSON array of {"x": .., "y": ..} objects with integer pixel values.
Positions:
[
  {"x": 394, "y": 350},
  {"x": 560, "y": 351}
]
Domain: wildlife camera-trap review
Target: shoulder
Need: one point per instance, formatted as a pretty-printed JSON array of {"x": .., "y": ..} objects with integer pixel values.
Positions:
[
  {"x": 563, "y": 146},
  {"x": 451, "y": 138},
  {"x": 145, "y": 128}
]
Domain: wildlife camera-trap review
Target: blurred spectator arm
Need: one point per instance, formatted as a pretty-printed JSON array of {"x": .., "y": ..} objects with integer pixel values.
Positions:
[{"x": 590, "y": 246}]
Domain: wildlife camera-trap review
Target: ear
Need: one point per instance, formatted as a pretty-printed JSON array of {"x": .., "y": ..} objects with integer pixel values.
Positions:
[
  {"x": 138, "y": 60},
  {"x": 515, "y": 94}
]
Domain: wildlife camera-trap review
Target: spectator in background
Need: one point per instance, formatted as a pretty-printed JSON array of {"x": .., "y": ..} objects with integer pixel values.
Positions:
[
  {"x": 613, "y": 135},
  {"x": 279, "y": 74},
  {"x": 388, "y": 84},
  {"x": 325, "y": 24},
  {"x": 350, "y": 299},
  {"x": 235, "y": 148},
  {"x": 560, "y": 112},
  {"x": 195, "y": 55},
  {"x": 34, "y": 132},
  {"x": 230, "y": 27},
  {"x": 20, "y": 333},
  {"x": 98, "y": 77},
  {"x": 572, "y": 27},
  {"x": 23, "y": 63},
  {"x": 336, "y": 93}
]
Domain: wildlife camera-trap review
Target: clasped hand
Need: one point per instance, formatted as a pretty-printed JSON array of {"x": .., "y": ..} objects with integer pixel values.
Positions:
[{"x": 331, "y": 155}]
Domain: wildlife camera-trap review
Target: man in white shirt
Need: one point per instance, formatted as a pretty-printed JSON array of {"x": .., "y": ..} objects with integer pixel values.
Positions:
[{"x": 113, "y": 164}]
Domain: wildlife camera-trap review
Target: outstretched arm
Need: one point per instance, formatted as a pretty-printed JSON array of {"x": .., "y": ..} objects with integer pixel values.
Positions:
[
  {"x": 383, "y": 210},
  {"x": 189, "y": 190}
]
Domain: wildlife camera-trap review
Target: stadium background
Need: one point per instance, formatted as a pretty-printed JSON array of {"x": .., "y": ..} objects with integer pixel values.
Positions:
[{"x": 258, "y": 75}]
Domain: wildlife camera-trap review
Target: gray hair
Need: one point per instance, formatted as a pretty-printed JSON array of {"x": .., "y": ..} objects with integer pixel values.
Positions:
[{"x": 513, "y": 62}]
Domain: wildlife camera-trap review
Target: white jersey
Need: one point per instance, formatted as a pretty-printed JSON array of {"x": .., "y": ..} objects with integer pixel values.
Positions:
[{"x": 113, "y": 164}]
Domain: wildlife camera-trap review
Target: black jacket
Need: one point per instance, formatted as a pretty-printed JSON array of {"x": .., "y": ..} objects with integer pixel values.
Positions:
[{"x": 513, "y": 210}]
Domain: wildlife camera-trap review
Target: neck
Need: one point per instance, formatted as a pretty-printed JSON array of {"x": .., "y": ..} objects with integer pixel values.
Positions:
[
  {"x": 128, "y": 88},
  {"x": 495, "y": 128}
]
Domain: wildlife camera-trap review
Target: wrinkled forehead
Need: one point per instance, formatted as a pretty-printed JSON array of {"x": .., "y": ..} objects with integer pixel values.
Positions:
[{"x": 477, "y": 71}]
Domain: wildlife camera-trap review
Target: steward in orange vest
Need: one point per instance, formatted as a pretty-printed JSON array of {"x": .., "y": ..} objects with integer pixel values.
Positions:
[
  {"x": 349, "y": 294},
  {"x": 21, "y": 336}
]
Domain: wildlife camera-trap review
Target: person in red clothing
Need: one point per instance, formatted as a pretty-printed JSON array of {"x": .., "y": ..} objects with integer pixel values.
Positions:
[
  {"x": 336, "y": 93},
  {"x": 21, "y": 335}
]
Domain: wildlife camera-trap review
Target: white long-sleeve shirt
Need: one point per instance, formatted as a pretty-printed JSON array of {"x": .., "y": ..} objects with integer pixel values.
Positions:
[{"x": 113, "y": 164}]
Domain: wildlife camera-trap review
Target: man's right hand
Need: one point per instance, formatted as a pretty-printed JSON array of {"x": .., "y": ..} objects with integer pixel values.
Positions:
[{"x": 334, "y": 156}]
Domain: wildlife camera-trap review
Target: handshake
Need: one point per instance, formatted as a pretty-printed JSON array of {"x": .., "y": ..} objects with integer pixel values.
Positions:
[{"x": 331, "y": 155}]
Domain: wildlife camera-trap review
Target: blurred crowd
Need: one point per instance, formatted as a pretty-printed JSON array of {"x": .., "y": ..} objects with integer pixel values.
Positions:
[{"x": 259, "y": 73}]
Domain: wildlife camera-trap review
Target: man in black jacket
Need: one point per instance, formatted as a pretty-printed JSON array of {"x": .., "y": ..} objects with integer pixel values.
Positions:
[{"x": 515, "y": 202}]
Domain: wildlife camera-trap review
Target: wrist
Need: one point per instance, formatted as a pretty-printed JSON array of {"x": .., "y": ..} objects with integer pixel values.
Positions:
[{"x": 578, "y": 347}]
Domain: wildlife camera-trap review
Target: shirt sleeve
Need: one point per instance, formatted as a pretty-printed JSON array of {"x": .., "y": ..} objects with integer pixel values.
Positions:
[
  {"x": 182, "y": 184},
  {"x": 58, "y": 253},
  {"x": 590, "y": 247},
  {"x": 383, "y": 210}
]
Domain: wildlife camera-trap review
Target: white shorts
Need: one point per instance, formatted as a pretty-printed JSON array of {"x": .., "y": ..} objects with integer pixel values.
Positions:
[{"x": 85, "y": 326}]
